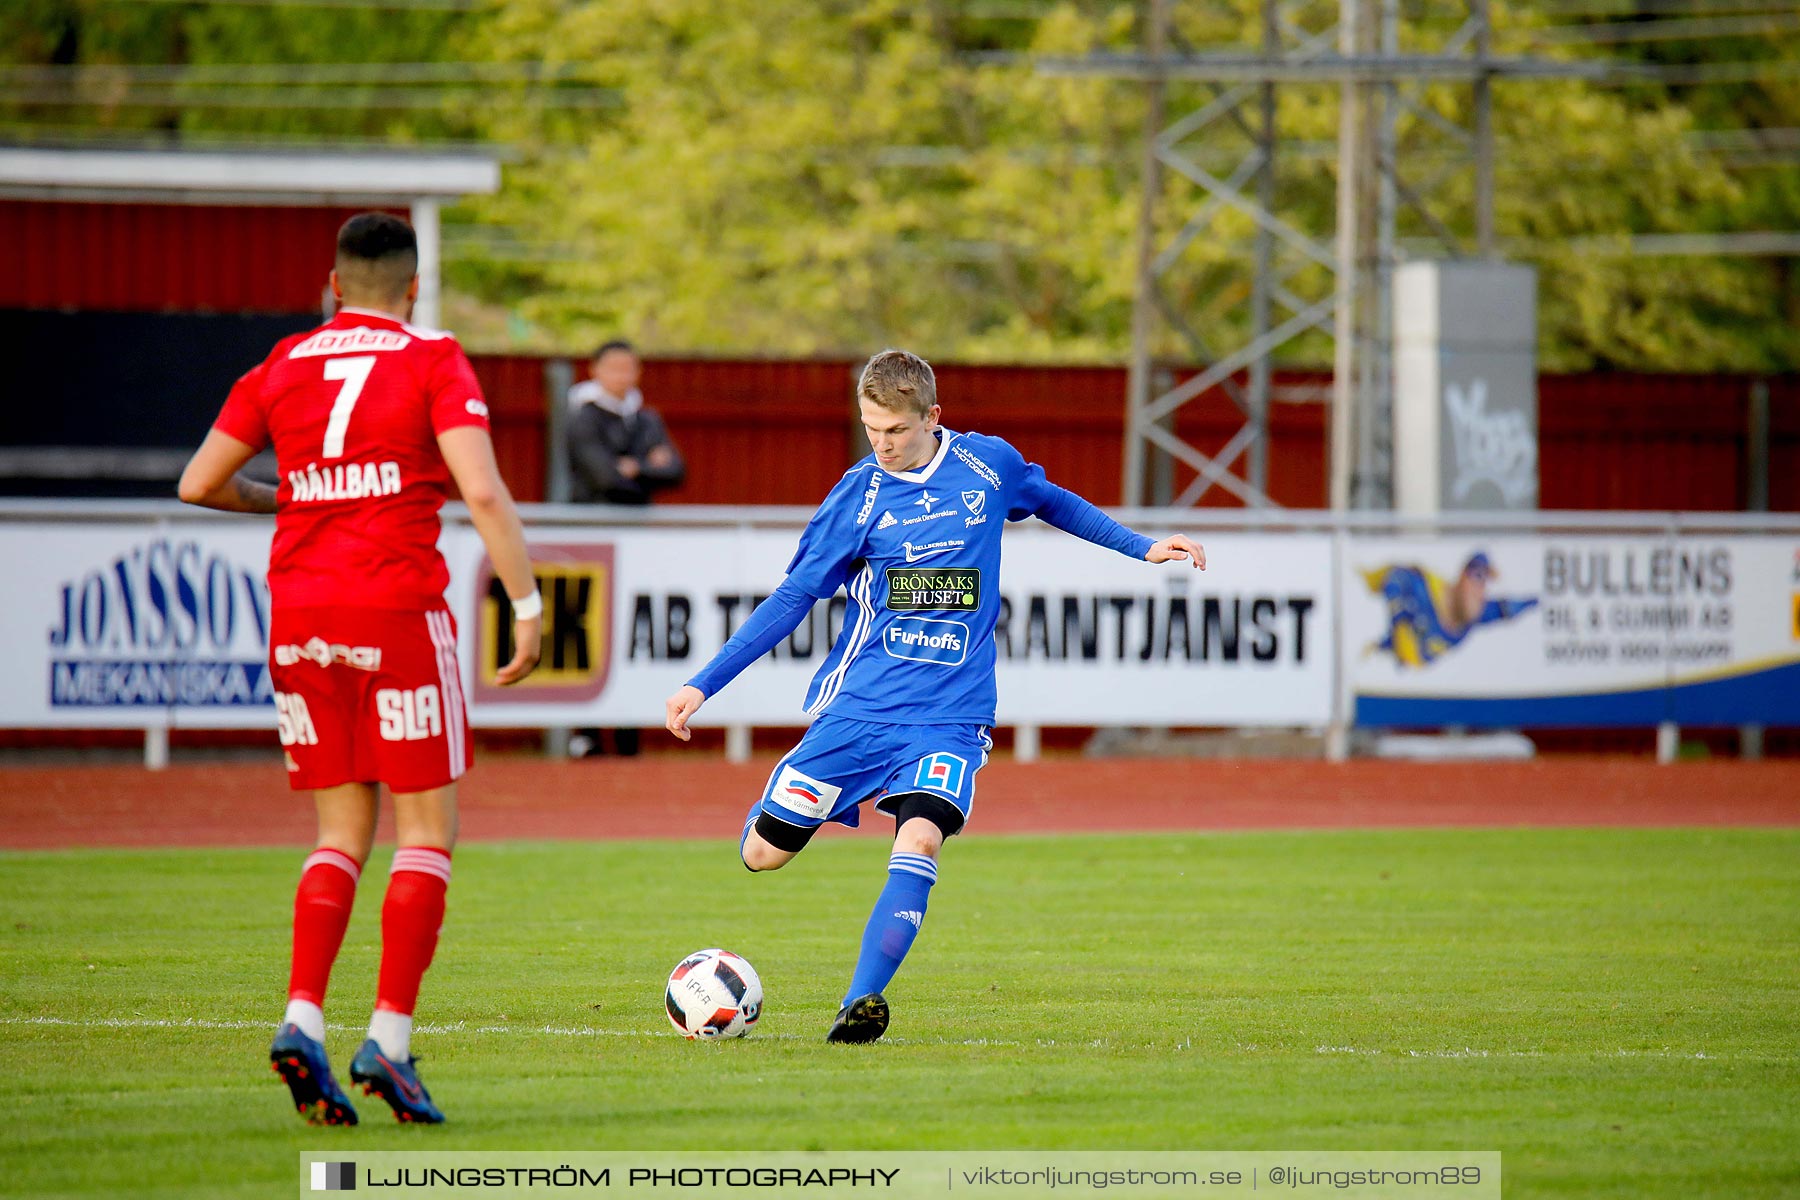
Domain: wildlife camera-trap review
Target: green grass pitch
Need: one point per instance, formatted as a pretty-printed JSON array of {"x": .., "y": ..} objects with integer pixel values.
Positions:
[{"x": 1617, "y": 1011}]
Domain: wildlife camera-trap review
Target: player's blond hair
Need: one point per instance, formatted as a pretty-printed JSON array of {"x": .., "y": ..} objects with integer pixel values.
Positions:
[{"x": 898, "y": 381}]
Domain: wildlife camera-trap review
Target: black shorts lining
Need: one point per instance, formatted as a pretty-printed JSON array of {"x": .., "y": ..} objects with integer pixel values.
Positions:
[
  {"x": 907, "y": 805},
  {"x": 782, "y": 835}
]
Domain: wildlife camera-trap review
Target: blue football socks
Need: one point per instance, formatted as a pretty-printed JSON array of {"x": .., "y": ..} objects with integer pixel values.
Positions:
[
  {"x": 749, "y": 824},
  {"x": 894, "y": 923}
]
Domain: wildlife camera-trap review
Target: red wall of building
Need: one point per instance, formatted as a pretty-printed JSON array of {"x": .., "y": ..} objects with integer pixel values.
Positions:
[
  {"x": 1642, "y": 441},
  {"x": 166, "y": 257},
  {"x": 755, "y": 432},
  {"x": 1784, "y": 444},
  {"x": 782, "y": 432},
  {"x": 514, "y": 388}
]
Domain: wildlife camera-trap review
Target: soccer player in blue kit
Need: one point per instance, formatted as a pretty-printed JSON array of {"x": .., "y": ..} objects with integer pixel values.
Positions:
[{"x": 904, "y": 702}]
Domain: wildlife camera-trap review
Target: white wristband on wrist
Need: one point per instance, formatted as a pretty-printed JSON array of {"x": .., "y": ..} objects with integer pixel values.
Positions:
[{"x": 528, "y": 608}]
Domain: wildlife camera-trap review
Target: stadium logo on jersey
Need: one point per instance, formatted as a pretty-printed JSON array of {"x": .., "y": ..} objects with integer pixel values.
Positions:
[
  {"x": 918, "y": 639},
  {"x": 799, "y": 792},
  {"x": 915, "y": 553},
  {"x": 887, "y": 521},
  {"x": 976, "y": 465},
  {"x": 943, "y": 589},
  {"x": 347, "y": 341},
  {"x": 868, "y": 504},
  {"x": 941, "y": 772},
  {"x": 975, "y": 501}
]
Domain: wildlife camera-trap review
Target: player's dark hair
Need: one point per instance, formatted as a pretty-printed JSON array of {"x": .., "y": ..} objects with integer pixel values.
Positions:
[
  {"x": 607, "y": 347},
  {"x": 377, "y": 253}
]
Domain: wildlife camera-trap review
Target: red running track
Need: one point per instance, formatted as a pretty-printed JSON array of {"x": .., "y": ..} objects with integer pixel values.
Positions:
[{"x": 688, "y": 796}]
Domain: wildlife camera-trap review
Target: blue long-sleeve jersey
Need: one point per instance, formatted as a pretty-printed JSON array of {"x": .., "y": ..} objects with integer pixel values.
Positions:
[{"x": 918, "y": 556}]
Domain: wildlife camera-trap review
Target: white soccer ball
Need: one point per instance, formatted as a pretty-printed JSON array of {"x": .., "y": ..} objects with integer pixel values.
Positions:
[{"x": 713, "y": 994}]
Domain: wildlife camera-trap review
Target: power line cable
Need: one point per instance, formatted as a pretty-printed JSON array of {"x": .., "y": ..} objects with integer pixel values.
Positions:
[
  {"x": 278, "y": 74},
  {"x": 454, "y": 6},
  {"x": 307, "y": 97},
  {"x": 1695, "y": 74},
  {"x": 1237, "y": 67},
  {"x": 1643, "y": 8},
  {"x": 1685, "y": 29},
  {"x": 18, "y": 134}
]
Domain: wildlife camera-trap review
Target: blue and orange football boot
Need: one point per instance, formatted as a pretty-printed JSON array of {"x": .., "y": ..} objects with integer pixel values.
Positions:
[
  {"x": 396, "y": 1082},
  {"x": 302, "y": 1065}
]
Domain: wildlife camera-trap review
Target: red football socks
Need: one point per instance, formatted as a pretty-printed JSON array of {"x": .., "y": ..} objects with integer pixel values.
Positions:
[
  {"x": 321, "y": 914},
  {"x": 410, "y": 919}
]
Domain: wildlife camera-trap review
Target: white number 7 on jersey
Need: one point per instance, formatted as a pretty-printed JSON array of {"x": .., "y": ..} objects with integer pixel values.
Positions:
[{"x": 355, "y": 373}]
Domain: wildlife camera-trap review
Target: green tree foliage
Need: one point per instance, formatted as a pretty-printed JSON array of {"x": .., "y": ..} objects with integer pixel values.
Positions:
[
  {"x": 232, "y": 69},
  {"x": 793, "y": 177},
  {"x": 824, "y": 176}
]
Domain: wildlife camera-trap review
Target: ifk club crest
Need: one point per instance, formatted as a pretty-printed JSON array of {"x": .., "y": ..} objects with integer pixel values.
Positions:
[{"x": 576, "y": 581}]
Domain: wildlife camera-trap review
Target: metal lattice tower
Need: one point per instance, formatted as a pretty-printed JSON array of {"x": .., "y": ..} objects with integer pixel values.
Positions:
[{"x": 1395, "y": 153}]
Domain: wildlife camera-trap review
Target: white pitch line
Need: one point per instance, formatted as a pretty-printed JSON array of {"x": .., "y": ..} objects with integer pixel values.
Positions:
[
  {"x": 1467, "y": 1052},
  {"x": 569, "y": 1031},
  {"x": 588, "y": 1031},
  {"x": 422, "y": 1027}
]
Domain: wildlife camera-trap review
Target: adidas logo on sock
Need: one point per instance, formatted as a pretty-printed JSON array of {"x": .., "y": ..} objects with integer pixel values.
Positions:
[
  {"x": 913, "y": 917},
  {"x": 887, "y": 521}
]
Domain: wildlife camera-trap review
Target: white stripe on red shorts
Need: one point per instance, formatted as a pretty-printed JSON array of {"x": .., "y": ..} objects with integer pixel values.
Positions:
[{"x": 443, "y": 638}]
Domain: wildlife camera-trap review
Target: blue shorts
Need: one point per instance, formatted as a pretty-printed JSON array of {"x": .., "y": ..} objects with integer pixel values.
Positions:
[{"x": 840, "y": 763}]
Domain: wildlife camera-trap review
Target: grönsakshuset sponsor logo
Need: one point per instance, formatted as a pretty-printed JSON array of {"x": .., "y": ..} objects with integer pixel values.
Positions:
[{"x": 950, "y": 589}]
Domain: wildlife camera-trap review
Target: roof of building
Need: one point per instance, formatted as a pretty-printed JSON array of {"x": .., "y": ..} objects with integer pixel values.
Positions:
[{"x": 244, "y": 175}]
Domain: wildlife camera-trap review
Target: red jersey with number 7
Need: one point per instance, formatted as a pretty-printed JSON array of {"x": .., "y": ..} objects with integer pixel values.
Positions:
[{"x": 353, "y": 409}]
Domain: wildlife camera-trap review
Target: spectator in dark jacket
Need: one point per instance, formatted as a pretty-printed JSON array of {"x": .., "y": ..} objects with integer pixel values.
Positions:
[
  {"x": 619, "y": 450},
  {"x": 619, "y": 453}
]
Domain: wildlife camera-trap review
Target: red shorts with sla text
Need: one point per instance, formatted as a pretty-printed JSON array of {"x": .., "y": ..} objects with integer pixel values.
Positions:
[{"x": 369, "y": 695}]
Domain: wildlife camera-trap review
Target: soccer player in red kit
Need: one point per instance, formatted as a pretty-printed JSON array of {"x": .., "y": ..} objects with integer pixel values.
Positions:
[{"x": 371, "y": 419}]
